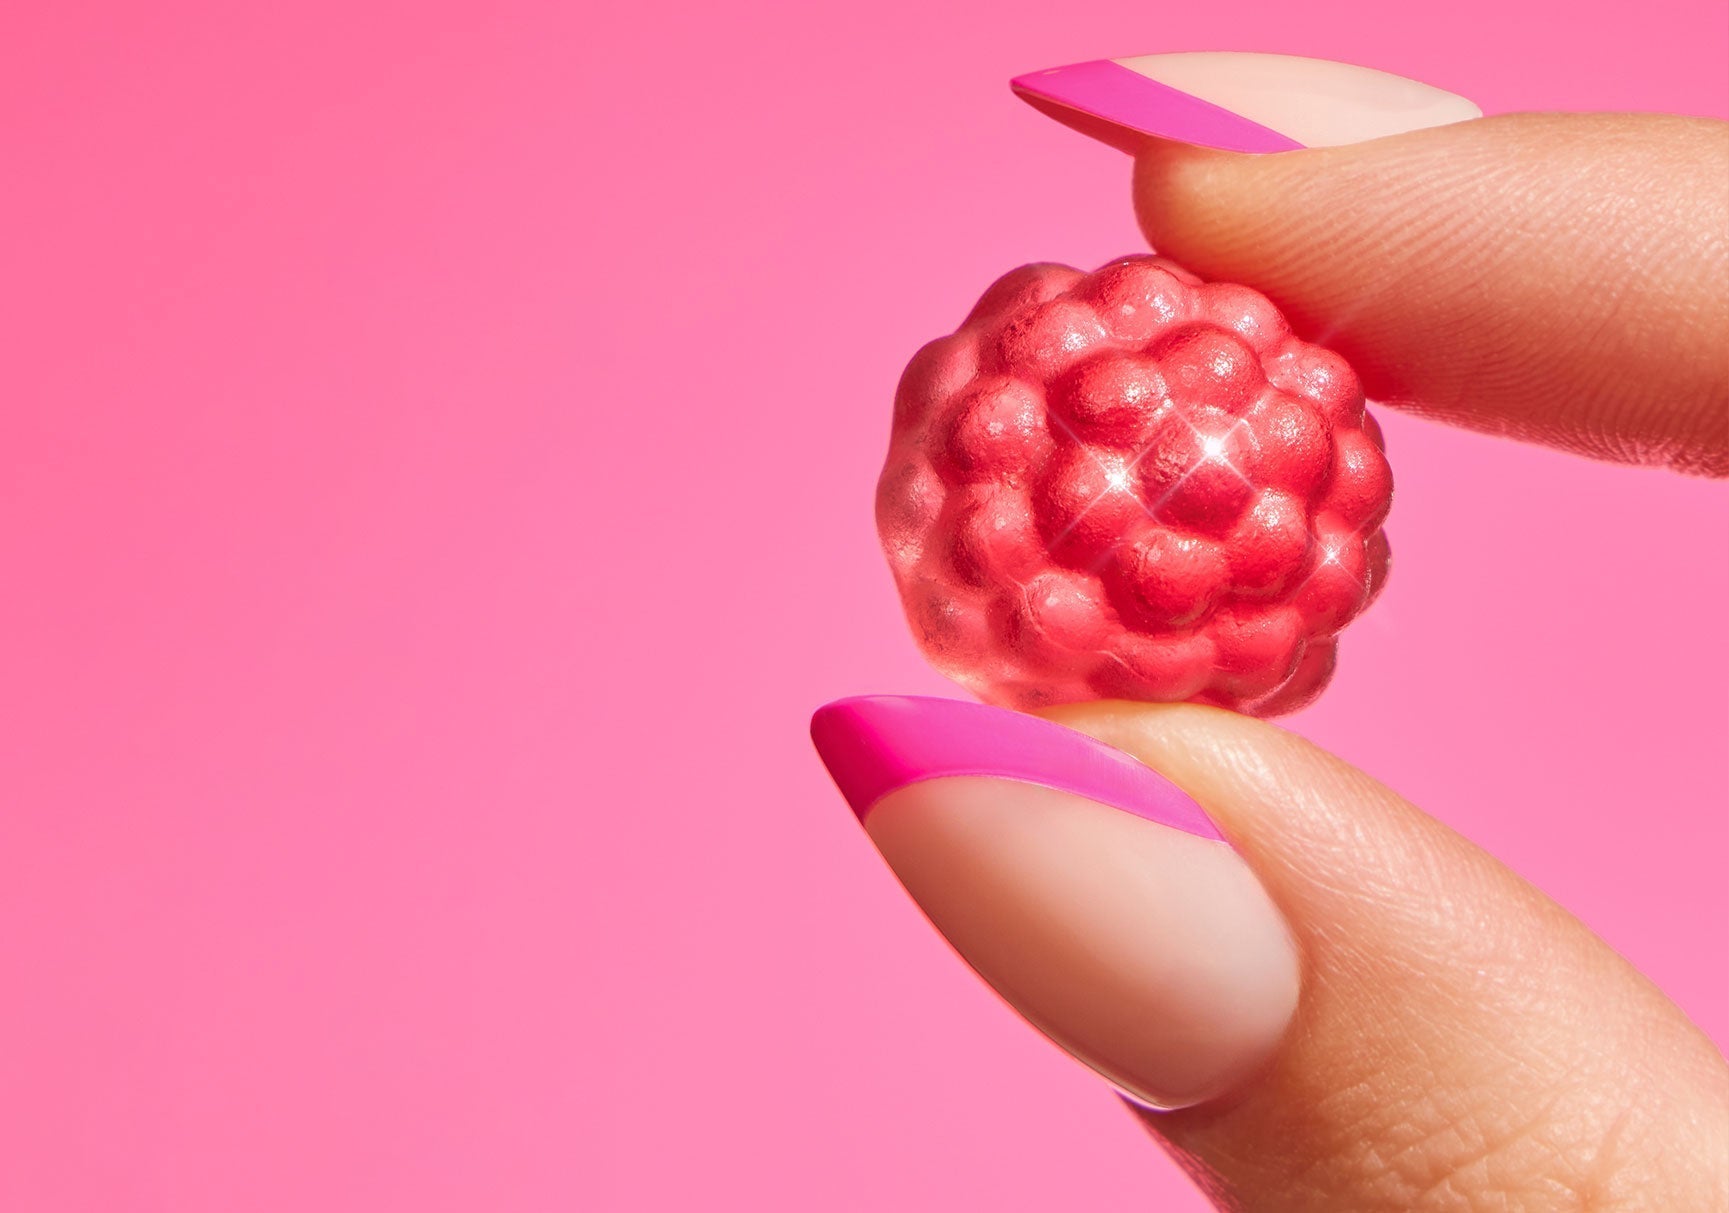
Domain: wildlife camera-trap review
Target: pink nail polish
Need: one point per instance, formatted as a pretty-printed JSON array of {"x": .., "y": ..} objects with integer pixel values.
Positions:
[
  {"x": 875, "y": 744},
  {"x": 1236, "y": 101},
  {"x": 1119, "y": 106},
  {"x": 1091, "y": 893}
]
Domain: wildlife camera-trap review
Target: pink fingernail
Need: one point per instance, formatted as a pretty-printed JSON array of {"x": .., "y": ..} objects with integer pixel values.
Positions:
[
  {"x": 1236, "y": 101},
  {"x": 1092, "y": 893},
  {"x": 875, "y": 744},
  {"x": 1121, "y": 107}
]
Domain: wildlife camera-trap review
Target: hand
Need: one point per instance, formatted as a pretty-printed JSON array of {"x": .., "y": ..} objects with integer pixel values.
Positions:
[{"x": 1357, "y": 1009}]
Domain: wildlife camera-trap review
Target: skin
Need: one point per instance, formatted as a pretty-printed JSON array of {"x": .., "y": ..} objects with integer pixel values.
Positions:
[
  {"x": 1559, "y": 278},
  {"x": 1463, "y": 1043}
]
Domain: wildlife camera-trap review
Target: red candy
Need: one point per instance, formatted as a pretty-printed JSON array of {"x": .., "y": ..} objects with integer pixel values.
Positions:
[{"x": 1131, "y": 484}]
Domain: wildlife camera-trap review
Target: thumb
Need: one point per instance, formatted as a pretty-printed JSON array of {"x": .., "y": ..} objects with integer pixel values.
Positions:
[
  {"x": 1345, "y": 1005},
  {"x": 1562, "y": 278}
]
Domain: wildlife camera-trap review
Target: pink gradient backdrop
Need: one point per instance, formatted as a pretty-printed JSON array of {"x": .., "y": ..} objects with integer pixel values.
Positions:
[{"x": 435, "y": 466}]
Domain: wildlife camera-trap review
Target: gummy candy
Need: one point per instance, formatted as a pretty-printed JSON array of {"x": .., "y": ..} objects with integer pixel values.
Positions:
[{"x": 1132, "y": 484}]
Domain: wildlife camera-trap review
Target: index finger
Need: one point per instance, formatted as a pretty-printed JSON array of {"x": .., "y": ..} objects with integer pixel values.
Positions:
[{"x": 1560, "y": 278}]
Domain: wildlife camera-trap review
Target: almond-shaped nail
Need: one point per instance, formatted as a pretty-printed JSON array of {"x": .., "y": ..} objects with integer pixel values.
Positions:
[
  {"x": 1096, "y": 897},
  {"x": 1236, "y": 101}
]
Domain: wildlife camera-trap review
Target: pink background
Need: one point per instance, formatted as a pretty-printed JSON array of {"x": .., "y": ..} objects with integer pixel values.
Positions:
[{"x": 435, "y": 466}]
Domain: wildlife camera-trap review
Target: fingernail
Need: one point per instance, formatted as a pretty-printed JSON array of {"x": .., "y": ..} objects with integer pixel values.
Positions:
[
  {"x": 1093, "y": 894},
  {"x": 1236, "y": 101}
]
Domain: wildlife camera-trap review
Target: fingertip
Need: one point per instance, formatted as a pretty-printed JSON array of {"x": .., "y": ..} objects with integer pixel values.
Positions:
[
  {"x": 1437, "y": 988},
  {"x": 1168, "y": 179},
  {"x": 1552, "y": 277}
]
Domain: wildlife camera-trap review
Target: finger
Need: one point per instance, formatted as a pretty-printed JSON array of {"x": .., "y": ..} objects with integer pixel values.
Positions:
[
  {"x": 1558, "y": 278},
  {"x": 1458, "y": 1041},
  {"x": 1462, "y": 1042}
]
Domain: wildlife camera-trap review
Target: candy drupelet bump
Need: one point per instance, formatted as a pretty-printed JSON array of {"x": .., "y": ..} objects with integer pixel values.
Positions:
[{"x": 1132, "y": 484}]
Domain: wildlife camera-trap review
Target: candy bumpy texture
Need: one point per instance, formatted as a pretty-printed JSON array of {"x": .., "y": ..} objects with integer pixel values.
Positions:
[{"x": 1132, "y": 484}]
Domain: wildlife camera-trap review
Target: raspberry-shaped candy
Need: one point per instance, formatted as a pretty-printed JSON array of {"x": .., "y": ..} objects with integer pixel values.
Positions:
[{"x": 1132, "y": 484}]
